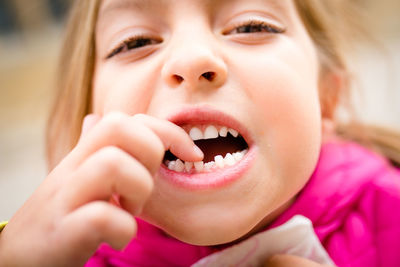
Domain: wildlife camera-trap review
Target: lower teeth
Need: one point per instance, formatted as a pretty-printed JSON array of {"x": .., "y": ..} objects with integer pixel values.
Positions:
[{"x": 197, "y": 167}]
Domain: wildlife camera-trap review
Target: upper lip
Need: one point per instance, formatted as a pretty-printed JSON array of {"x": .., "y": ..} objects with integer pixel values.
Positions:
[{"x": 209, "y": 115}]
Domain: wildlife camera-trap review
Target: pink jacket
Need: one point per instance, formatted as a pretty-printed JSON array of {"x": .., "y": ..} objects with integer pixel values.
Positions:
[{"x": 353, "y": 200}]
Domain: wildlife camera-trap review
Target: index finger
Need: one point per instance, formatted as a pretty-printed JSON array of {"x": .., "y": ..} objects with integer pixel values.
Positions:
[
  {"x": 174, "y": 138},
  {"x": 144, "y": 137}
]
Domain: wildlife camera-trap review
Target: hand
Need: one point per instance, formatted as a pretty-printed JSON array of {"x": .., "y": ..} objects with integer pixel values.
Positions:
[
  {"x": 69, "y": 215},
  {"x": 283, "y": 260}
]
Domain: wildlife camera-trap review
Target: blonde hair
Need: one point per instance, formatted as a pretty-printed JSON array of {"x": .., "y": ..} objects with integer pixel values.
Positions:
[
  {"x": 74, "y": 81},
  {"x": 330, "y": 24}
]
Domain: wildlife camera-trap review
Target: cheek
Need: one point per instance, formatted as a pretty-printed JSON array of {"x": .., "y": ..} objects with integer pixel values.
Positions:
[
  {"x": 283, "y": 86},
  {"x": 124, "y": 88},
  {"x": 286, "y": 111},
  {"x": 286, "y": 99}
]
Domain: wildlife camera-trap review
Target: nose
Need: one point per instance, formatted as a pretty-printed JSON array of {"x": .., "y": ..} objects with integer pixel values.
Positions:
[{"x": 194, "y": 66}]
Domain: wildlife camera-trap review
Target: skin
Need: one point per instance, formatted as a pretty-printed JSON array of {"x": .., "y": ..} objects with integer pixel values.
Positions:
[
  {"x": 271, "y": 84},
  {"x": 267, "y": 81},
  {"x": 289, "y": 261},
  {"x": 75, "y": 194}
]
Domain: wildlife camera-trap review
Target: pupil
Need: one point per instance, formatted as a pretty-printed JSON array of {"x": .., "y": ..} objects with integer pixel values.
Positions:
[
  {"x": 250, "y": 28},
  {"x": 138, "y": 43}
]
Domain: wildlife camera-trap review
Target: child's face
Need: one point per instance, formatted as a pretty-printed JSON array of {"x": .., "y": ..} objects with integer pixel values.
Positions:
[{"x": 250, "y": 59}]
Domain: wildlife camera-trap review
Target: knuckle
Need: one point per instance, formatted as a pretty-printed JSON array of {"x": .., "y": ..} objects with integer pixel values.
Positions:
[
  {"x": 140, "y": 117},
  {"x": 159, "y": 149},
  {"x": 144, "y": 182},
  {"x": 114, "y": 121},
  {"x": 110, "y": 159},
  {"x": 108, "y": 225},
  {"x": 114, "y": 116},
  {"x": 99, "y": 216},
  {"x": 154, "y": 159},
  {"x": 148, "y": 186}
]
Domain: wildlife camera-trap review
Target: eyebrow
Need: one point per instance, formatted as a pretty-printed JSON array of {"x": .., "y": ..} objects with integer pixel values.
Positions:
[
  {"x": 130, "y": 4},
  {"x": 146, "y": 4}
]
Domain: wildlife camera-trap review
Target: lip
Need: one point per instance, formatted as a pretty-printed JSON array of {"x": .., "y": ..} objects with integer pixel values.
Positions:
[
  {"x": 218, "y": 178},
  {"x": 208, "y": 115}
]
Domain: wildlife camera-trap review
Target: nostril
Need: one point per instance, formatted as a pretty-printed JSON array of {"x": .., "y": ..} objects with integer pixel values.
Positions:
[
  {"x": 177, "y": 78},
  {"x": 210, "y": 76}
]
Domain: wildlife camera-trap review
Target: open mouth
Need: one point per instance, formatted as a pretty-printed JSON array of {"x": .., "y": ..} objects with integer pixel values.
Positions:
[
  {"x": 222, "y": 147},
  {"x": 229, "y": 150}
]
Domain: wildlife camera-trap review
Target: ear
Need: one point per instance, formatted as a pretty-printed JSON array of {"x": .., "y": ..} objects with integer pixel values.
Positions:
[
  {"x": 328, "y": 131},
  {"x": 332, "y": 84}
]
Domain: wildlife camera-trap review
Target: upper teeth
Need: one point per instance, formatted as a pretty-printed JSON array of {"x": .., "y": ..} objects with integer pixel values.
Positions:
[{"x": 210, "y": 132}]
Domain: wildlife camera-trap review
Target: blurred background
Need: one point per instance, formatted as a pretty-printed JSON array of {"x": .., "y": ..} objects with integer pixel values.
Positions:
[{"x": 30, "y": 38}]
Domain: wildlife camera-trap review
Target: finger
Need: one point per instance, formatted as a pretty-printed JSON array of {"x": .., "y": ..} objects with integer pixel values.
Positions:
[
  {"x": 173, "y": 137},
  {"x": 107, "y": 172},
  {"x": 89, "y": 122},
  {"x": 141, "y": 136},
  {"x": 83, "y": 230},
  {"x": 284, "y": 260},
  {"x": 121, "y": 131}
]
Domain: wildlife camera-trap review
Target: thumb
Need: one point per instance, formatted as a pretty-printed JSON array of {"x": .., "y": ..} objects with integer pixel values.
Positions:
[
  {"x": 93, "y": 224},
  {"x": 89, "y": 122},
  {"x": 286, "y": 260}
]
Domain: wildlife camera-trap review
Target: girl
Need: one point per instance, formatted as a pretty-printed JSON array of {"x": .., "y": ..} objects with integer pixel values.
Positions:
[{"x": 209, "y": 121}]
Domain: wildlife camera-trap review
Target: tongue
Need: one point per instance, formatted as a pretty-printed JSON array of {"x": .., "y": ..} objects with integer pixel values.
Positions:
[{"x": 220, "y": 146}]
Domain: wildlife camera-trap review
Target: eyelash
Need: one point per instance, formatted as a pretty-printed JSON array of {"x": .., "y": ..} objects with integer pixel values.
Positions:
[
  {"x": 254, "y": 26},
  {"x": 247, "y": 27},
  {"x": 133, "y": 42}
]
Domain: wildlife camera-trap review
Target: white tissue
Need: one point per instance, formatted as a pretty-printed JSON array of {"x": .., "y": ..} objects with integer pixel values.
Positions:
[{"x": 295, "y": 237}]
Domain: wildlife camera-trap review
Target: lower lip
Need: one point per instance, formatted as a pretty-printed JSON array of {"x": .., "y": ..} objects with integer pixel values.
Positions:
[{"x": 210, "y": 180}]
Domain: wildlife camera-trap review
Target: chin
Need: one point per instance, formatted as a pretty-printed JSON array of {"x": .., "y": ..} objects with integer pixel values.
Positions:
[
  {"x": 200, "y": 230},
  {"x": 211, "y": 236}
]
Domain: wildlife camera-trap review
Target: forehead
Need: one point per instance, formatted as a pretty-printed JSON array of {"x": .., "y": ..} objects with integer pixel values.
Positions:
[{"x": 110, "y": 6}]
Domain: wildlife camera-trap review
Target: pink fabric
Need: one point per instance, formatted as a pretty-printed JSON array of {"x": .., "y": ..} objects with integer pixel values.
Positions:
[
  {"x": 151, "y": 247},
  {"x": 353, "y": 200}
]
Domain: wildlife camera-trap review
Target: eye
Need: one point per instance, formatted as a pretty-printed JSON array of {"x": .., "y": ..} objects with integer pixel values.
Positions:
[
  {"x": 132, "y": 43},
  {"x": 254, "y": 26}
]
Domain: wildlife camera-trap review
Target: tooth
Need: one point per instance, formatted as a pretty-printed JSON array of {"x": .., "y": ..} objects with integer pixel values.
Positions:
[
  {"x": 229, "y": 160},
  {"x": 188, "y": 166},
  {"x": 210, "y": 132},
  {"x": 199, "y": 166},
  {"x": 233, "y": 132},
  {"x": 223, "y": 131},
  {"x": 238, "y": 156},
  {"x": 209, "y": 165},
  {"x": 179, "y": 166},
  {"x": 219, "y": 161},
  {"x": 196, "y": 134},
  {"x": 171, "y": 165}
]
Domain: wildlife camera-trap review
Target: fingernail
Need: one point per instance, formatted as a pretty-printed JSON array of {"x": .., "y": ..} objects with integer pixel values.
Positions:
[
  {"x": 198, "y": 151},
  {"x": 88, "y": 122}
]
